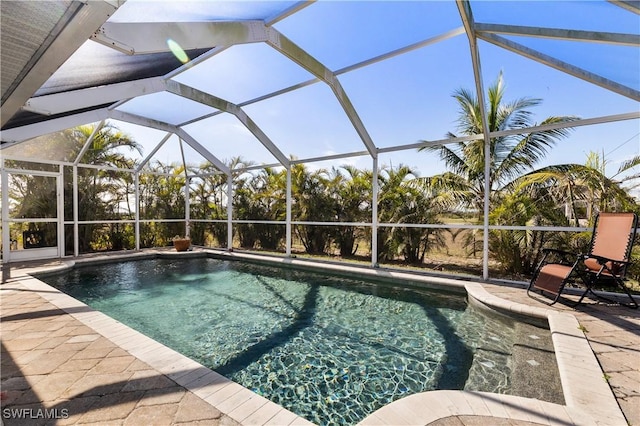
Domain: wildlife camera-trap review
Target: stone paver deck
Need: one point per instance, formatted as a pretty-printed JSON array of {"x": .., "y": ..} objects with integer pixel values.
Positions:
[
  {"x": 62, "y": 359},
  {"x": 51, "y": 361}
]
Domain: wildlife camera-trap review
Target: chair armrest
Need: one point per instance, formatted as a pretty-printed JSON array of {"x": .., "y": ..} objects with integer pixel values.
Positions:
[
  {"x": 602, "y": 260},
  {"x": 562, "y": 257}
]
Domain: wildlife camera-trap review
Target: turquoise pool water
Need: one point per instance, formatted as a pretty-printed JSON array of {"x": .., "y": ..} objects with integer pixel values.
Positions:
[{"x": 332, "y": 350}]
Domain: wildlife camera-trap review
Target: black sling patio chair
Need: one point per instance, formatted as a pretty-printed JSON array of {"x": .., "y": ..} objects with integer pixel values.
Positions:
[{"x": 605, "y": 265}]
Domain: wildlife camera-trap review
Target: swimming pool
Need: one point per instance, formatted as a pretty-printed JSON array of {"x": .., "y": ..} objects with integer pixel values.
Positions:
[{"x": 330, "y": 349}]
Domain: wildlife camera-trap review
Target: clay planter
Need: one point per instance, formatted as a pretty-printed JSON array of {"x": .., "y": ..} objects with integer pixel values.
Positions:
[{"x": 182, "y": 244}]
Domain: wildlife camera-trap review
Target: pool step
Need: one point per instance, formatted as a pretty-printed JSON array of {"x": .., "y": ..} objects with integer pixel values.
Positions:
[
  {"x": 534, "y": 371},
  {"x": 488, "y": 372},
  {"x": 531, "y": 370}
]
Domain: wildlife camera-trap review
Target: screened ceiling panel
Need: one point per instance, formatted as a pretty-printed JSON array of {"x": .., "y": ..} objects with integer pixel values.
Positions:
[
  {"x": 620, "y": 64},
  {"x": 46, "y": 147},
  {"x": 560, "y": 93},
  {"x": 411, "y": 79},
  {"x": 191, "y": 156},
  {"x": 274, "y": 79},
  {"x": 170, "y": 154},
  {"x": 255, "y": 69},
  {"x": 148, "y": 138},
  {"x": 306, "y": 123},
  {"x": 578, "y": 15},
  {"x": 340, "y": 34},
  {"x": 226, "y": 137},
  {"x": 155, "y": 106}
]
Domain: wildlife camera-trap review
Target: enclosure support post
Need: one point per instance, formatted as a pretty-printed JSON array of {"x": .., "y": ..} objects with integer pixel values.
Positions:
[
  {"x": 229, "y": 212},
  {"x": 136, "y": 179},
  {"x": 288, "y": 218},
  {"x": 76, "y": 230},
  {"x": 60, "y": 210},
  {"x": 485, "y": 229},
  {"x": 374, "y": 214},
  {"x": 187, "y": 208},
  {"x": 6, "y": 239},
  {"x": 469, "y": 25}
]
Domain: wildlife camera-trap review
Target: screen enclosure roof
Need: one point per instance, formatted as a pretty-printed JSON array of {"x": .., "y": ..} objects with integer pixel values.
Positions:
[{"x": 284, "y": 81}]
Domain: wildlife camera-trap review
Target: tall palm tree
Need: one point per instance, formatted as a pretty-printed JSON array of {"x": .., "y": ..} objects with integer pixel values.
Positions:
[
  {"x": 162, "y": 197},
  {"x": 312, "y": 202},
  {"x": 584, "y": 184},
  {"x": 352, "y": 191},
  {"x": 557, "y": 195},
  {"x": 510, "y": 156},
  {"x": 402, "y": 201},
  {"x": 100, "y": 192}
]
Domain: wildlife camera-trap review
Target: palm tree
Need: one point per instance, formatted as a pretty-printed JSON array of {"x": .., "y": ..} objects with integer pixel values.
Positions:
[
  {"x": 584, "y": 184},
  {"x": 270, "y": 198},
  {"x": 312, "y": 202},
  {"x": 510, "y": 156},
  {"x": 557, "y": 195},
  {"x": 162, "y": 197},
  {"x": 208, "y": 195},
  {"x": 352, "y": 192},
  {"x": 402, "y": 201}
]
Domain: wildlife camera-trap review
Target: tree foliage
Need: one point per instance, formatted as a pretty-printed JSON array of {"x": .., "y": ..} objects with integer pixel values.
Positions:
[{"x": 519, "y": 193}]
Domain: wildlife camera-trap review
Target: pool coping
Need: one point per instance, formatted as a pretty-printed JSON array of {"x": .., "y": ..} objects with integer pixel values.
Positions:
[{"x": 588, "y": 397}]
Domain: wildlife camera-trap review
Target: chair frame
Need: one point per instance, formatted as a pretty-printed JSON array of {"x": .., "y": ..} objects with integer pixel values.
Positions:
[{"x": 590, "y": 278}]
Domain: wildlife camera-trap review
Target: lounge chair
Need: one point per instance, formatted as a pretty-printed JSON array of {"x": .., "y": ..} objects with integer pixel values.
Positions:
[{"x": 605, "y": 264}]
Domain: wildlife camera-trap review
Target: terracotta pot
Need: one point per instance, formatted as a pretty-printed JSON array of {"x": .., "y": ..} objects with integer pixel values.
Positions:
[{"x": 182, "y": 244}]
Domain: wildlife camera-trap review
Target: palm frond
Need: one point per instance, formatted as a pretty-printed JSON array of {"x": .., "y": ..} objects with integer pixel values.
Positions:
[{"x": 628, "y": 165}]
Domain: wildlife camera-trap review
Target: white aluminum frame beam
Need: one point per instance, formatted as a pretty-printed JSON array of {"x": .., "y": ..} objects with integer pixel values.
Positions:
[
  {"x": 630, "y": 5},
  {"x": 229, "y": 212},
  {"x": 76, "y": 209},
  {"x": 292, "y": 51},
  {"x": 288, "y": 227},
  {"x": 153, "y": 152},
  {"x": 88, "y": 143},
  {"x": 141, "y": 121},
  {"x": 84, "y": 98},
  {"x": 190, "y": 140},
  {"x": 161, "y": 125},
  {"x": 560, "y": 34},
  {"x": 330, "y": 157},
  {"x": 374, "y": 213},
  {"x": 30, "y": 131},
  {"x": 552, "y": 126},
  {"x": 226, "y": 106},
  {"x": 84, "y": 21},
  {"x": 288, "y": 12},
  {"x": 467, "y": 19},
  {"x": 136, "y": 183},
  {"x": 151, "y": 37}
]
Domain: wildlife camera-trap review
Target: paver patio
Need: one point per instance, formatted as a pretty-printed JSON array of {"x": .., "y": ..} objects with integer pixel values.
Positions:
[
  {"x": 51, "y": 361},
  {"x": 53, "y": 364}
]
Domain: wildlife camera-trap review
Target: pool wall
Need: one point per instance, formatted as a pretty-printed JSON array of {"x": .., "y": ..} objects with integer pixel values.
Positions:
[{"x": 588, "y": 398}]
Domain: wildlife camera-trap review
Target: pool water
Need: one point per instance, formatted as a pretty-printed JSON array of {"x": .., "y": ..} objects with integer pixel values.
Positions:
[{"x": 330, "y": 349}]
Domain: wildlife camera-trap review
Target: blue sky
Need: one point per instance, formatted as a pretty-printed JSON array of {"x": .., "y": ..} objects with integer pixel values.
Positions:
[{"x": 406, "y": 98}]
